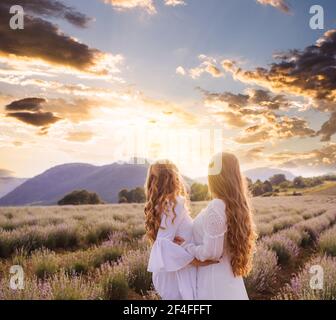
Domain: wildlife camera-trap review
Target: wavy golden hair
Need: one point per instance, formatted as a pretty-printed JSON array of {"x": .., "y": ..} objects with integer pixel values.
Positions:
[
  {"x": 163, "y": 185},
  {"x": 229, "y": 185}
]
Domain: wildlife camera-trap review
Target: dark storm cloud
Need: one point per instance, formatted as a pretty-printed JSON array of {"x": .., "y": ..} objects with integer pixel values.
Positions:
[
  {"x": 259, "y": 97},
  {"x": 28, "y": 104},
  {"x": 41, "y": 39},
  {"x": 30, "y": 111},
  {"x": 42, "y": 113},
  {"x": 37, "y": 119},
  {"x": 309, "y": 73},
  {"x": 49, "y": 8}
]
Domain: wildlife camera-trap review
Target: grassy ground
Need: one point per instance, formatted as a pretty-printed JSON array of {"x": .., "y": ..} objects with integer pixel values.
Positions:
[
  {"x": 327, "y": 188},
  {"x": 98, "y": 252}
]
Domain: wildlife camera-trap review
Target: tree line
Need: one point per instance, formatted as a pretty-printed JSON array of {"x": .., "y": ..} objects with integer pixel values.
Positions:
[
  {"x": 199, "y": 192},
  {"x": 279, "y": 182}
]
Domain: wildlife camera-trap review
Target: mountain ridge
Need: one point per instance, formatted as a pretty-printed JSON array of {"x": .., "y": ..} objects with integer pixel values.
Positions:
[
  {"x": 8, "y": 184},
  {"x": 51, "y": 185},
  {"x": 261, "y": 173},
  {"x": 264, "y": 173}
]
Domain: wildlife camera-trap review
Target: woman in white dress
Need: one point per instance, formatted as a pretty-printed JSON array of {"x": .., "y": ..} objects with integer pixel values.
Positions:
[
  {"x": 223, "y": 231},
  {"x": 167, "y": 217}
]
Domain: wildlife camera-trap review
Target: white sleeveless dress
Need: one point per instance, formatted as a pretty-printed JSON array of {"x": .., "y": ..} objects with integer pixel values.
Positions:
[
  {"x": 173, "y": 276},
  {"x": 217, "y": 281}
]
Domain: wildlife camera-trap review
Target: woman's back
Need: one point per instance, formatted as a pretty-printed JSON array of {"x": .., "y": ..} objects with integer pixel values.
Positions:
[
  {"x": 173, "y": 277},
  {"x": 216, "y": 281}
]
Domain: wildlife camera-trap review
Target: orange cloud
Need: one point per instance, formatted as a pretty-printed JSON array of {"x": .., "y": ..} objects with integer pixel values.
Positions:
[
  {"x": 276, "y": 129},
  {"x": 256, "y": 112},
  {"x": 208, "y": 65},
  {"x": 308, "y": 73},
  {"x": 328, "y": 129},
  {"x": 147, "y": 5},
  {"x": 282, "y": 5},
  {"x": 322, "y": 159},
  {"x": 79, "y": 136}
]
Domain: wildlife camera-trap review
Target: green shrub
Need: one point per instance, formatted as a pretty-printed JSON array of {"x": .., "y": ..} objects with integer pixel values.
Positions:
[
  {"x": 79, "y": 267},
  {"x": 62, "y": 237},
  {"x": 139, "y": 278},
  {"x": 285, "y": 248},
  {"x": 44, "y": 264},
  {"x": 116, "y": 287},
  {"x": 6, "y": 247},
  {"x": 100, "y": 232},
  {"x": 264, "y": 272},
  {"x": 107, "y": 254},
  {"x": 327, "y": 242},
  {"x": 66, "y": 287}
]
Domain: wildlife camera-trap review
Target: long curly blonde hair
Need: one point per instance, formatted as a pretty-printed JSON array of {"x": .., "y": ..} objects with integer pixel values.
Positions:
[
  {"x": 163, "y": 185},
  {"x": 230, "y": 186}
]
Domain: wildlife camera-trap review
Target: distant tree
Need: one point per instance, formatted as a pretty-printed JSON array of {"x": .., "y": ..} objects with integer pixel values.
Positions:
[
  {"x": 286, "y": 185},
  {"x": 122, "y": 195},
  {"x": 80, "y": 197},
  {"x": 257, "y": 189},
  {"x": 299, "y": 182},
  {"x": 267, "y": 187},
  {"x": 277, "y": 179},
  {"x": 123, "y": 200},
  {"x": 313, "y": 182},
  {"x": 329, "y": 177},
  {"x": 136, "y": 195},
  {"x": 199, "y": 192}
]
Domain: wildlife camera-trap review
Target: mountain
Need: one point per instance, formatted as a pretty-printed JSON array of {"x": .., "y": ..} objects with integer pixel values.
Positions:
[
  {"x": 265, "y": 173},
  {"x": 255, "y": 174},
  {"x": 50, "y": 186},
  {"x": 8, "y": 184}
]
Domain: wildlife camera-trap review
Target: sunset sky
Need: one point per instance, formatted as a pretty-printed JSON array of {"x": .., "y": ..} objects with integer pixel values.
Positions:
[{"x": 86, "y": 79}]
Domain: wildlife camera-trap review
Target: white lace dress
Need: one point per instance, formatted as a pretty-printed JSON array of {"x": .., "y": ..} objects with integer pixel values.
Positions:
[
  {"x": 173, "y": 277},
  {"x": 217, "y": 281}
]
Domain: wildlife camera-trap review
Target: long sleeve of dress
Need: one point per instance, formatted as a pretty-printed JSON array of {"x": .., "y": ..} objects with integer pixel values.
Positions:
[
  {"x": 215, "y": 228},
  {"x": 165, "y": 254}
]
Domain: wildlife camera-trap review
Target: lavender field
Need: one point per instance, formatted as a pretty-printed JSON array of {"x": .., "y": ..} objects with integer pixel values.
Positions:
[{"x": 99, "y": 252}]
